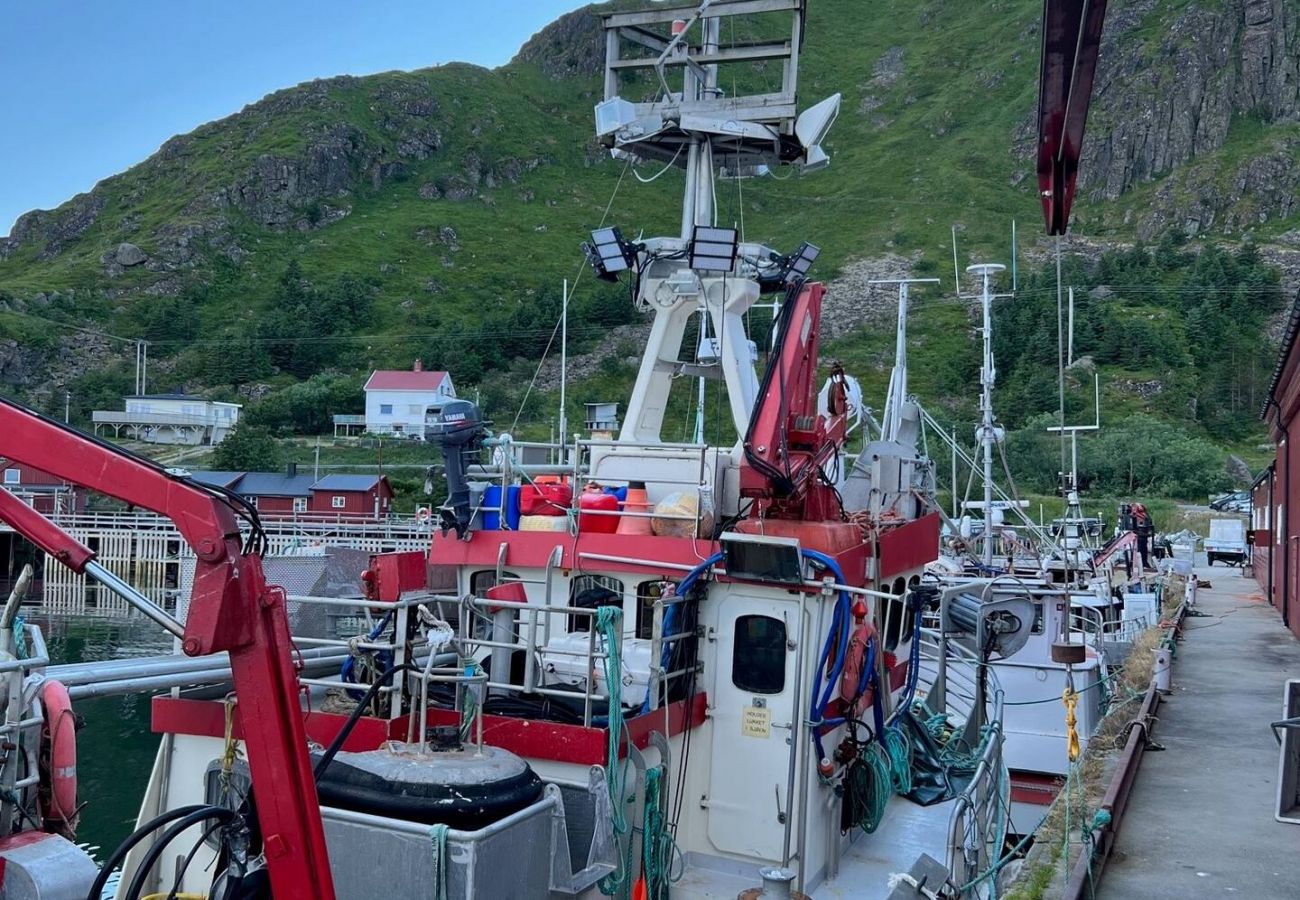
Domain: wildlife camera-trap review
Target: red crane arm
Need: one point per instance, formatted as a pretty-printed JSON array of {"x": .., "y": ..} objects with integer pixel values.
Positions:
[
  {"x": 787, "y": 442},
  {"x": 1071, "y": 42},
  {"x": 231, "y": 608}
]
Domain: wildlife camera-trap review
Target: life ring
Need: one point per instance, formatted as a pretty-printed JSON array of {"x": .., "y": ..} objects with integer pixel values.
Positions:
[
  {"x": 58, "y": 792},
  {"x": 851, "y": 703},
  {"x": 423, "y": 514}
]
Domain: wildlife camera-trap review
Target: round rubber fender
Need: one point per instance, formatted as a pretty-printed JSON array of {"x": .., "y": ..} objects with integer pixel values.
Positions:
[{"x": 59, "y": 758}]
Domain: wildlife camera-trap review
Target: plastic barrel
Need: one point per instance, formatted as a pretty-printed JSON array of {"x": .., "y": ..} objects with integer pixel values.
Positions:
[{"x": 492, "y": 508}]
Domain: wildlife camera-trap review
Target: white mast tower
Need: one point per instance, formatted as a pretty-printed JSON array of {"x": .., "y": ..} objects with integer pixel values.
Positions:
[{"x": 988, "y": 433}]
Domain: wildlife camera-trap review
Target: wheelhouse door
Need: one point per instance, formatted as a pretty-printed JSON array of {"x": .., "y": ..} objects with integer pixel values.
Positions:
[{"x": 752, "y": 725}]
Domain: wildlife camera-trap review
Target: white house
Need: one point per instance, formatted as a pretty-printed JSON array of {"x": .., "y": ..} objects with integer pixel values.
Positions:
[
  {"x": 170, "y": 419},
  {"x": 396, "y": 400}
]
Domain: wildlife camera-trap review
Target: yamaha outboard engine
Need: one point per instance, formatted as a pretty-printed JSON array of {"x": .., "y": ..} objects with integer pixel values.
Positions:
[{"x": 459, "y": 430}]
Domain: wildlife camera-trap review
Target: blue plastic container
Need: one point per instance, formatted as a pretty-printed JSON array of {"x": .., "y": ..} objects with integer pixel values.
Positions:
[
  {"x": 492, "y": 508},
  {"x": 512, "y": 507},
  {"x": 619, "y": 492}
]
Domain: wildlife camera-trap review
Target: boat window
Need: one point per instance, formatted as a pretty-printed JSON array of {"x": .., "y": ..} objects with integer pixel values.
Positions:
[
  {"x": 480, "y": 622},
  {"x": 758, "y": 658},
  {"x": 898, "y": 623},
  {"x": 590, "y": 592},
  {"x": 647, "y": 592}
]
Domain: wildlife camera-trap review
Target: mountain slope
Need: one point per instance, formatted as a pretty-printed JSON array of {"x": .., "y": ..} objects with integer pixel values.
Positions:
[{"x": 436, "y": 212}]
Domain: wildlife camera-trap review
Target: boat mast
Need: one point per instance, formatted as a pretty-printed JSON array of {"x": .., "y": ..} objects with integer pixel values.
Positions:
[
  {"x": 987, "y": 433},
  {"x": 892, "y": 420}
]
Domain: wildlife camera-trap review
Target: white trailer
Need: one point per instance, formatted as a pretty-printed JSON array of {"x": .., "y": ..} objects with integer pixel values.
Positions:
[{"x": 1227, "y": 541}]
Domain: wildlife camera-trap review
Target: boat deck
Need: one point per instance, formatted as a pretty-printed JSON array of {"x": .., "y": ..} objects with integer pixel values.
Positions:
[
  {"x": 1200, "y": 820},
  {"x": 907, "y": 831}
]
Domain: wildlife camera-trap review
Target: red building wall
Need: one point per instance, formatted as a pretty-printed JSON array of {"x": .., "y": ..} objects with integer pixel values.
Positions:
[
  {"x": 275, "y": 506},
  {"x": 1283, "y": 416},
  {"x": 355, "y": 503},
  {"x": 44, "y": 489}
]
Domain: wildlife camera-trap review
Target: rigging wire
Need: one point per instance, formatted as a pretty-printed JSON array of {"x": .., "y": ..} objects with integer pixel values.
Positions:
[{"x": 582, "y": 267}]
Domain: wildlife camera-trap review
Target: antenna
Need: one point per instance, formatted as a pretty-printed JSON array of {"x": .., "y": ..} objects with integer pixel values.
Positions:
[
  {"x": 987, "y": 433},
  {"x": 892, "y": 420}
]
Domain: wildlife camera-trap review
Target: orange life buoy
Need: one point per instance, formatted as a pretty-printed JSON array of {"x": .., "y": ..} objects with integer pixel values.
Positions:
[
  {"x": 855, "y": 660},
  {"x": 59, "y": 759}
]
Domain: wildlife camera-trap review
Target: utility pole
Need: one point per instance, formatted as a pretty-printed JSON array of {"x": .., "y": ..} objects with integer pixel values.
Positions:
[{"x": 67, "y": 407}]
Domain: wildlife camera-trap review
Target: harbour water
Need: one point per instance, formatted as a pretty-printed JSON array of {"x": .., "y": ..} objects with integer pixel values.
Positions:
[{"x": 115, "y": 748}]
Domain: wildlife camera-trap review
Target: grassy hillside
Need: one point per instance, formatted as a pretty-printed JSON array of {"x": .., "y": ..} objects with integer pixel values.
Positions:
[{"x": 360, "y": 222}]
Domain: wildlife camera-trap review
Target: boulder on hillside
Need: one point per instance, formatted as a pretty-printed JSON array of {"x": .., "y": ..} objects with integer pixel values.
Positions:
[
  {"x": 1238, "y": 469},
  {"x": 129, "y": 255}
]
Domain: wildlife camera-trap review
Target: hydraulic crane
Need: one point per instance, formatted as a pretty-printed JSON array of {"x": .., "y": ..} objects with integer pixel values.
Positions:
[
  {"x": 232, "y": 608},
  {"x": 1071, "y": 44},
  {"x": 788, "y": 442}
]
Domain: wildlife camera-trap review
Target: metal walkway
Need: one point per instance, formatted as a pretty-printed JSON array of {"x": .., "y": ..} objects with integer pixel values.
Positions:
[{"x": 1200, "y": 820}]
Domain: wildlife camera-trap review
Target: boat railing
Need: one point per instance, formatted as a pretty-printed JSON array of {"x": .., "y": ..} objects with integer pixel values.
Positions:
[
  {"x": 403, "y": 651},
  {"x": 23, "y": 722},
  {"x": 578, "y": 461},
  {"x": 948, "y": 680},
  {"x": 594, "y": 652},
  {"x": 1091, "y": 622}
]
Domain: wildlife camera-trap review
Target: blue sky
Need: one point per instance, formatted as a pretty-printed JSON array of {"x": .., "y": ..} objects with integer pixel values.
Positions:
[{"x": 94, "y": 86}]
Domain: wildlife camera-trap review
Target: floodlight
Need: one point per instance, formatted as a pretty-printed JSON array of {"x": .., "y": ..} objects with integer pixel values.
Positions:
[
  {"x": 714, "y": 249},
  {"x": 797, "y": 265},
  {"x": 609, "y": 253}
]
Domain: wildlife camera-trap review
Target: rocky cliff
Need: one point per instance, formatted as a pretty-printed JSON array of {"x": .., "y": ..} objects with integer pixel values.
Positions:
[{"x": 1177, "y": 82}]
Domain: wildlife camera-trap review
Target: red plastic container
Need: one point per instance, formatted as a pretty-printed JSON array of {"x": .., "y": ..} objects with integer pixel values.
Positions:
[
  {"x": 600, "y": 501},
  {"x": 545, "y": 499}
]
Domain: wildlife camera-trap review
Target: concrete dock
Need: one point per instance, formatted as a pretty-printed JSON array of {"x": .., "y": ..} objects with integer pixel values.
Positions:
[{"x": 1200, "y": 819}]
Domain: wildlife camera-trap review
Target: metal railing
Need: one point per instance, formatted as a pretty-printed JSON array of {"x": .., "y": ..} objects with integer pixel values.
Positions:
[{"x": 978, "y": 822}]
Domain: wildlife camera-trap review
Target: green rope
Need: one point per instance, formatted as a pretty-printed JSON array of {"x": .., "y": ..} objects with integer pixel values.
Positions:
[
  {"x": 609, "y": 623},
  {"x": 438, "y": 836},
  {"x": 899, "y": 747},
  {"x": 656, "y": 842},
  {"x": 469, "y": 702},
  {"x": 1100, "y": 683},
  {"x": 870, "y": 783},
  {"x": 20, "y": 636}
]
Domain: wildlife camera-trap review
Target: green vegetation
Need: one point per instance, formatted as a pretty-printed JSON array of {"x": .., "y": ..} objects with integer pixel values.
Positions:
[{"x": 247, "y": 448}]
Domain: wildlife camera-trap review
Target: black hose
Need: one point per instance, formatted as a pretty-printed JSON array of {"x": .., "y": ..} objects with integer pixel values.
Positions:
[
  {"x": 189, "y": 858},
  {"x": 150, "y": 860},
  {"x": 148, "y": 828},
  {"x": 330, "y": 752}
]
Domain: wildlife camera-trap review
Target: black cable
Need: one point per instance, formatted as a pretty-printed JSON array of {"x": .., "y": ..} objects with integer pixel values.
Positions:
[
  {"x": 189, "y": 858},
  {"x": 148, "y": 828},
  {"x": 156, "y": 851},
  {"x": 332, "y": 750}
]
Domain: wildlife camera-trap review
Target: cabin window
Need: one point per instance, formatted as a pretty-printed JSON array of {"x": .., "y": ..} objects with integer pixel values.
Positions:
[
  {"x": 13, "y": 476},
  {"x": 385, "y": 409},
  {"x": 253, "y": 501},
  {"x": 647, "y": 592},
  {"x": 299, "y": 504},
  {"x": 758, "y": 657},
  {"x": 480, "y": 620},
  {"x": 338, "y": 502},
  {"x": 591, "y": 592}
]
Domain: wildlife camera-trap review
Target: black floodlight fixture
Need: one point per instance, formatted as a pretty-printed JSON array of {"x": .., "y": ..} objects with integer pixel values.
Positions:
[
  {"x": 614, "y": 252},
  {"x": 714, "y": 249},
  {"x": 798, "y": 264}
]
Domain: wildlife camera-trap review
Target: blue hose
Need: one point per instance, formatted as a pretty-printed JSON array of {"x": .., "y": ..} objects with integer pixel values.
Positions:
[
  {"x": 385, "y": 659},
  {"x": 839, "y": 627},
  {"x": 670, "y": 614}
]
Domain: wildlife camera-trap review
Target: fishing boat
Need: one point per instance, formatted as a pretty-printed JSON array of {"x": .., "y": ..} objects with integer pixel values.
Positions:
[{"x": 646, "y": 668}]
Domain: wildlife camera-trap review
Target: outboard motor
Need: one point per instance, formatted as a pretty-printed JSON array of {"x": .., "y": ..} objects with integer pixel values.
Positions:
[{"x": 459, "y": 430}]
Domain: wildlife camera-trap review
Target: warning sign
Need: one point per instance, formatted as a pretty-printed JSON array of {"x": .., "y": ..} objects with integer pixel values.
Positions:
[{"x": 756, "y": 722}]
